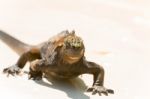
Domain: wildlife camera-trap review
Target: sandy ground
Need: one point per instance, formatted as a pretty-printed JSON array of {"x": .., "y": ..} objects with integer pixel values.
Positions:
[{"x": 116, "y": 34}]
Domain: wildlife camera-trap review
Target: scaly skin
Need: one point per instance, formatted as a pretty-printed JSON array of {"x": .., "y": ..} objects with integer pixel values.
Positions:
[{"x": 63, "y": 57}]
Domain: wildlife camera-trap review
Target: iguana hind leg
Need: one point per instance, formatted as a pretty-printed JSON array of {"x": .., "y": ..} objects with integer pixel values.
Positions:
[{"x": 30, "y": 55}]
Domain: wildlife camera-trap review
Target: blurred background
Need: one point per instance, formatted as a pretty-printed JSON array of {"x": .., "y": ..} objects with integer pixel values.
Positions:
[{"x": 115, "y": 33}]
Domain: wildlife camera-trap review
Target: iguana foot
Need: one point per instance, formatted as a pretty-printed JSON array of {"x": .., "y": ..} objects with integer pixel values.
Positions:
[
  {"x": 35, "y": 75},
  {"x": 100, "y": 89},
  {"x": 12, "y": 70}
]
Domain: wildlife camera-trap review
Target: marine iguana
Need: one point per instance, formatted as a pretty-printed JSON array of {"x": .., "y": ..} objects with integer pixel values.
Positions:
[{"x": 62, "y": 56}]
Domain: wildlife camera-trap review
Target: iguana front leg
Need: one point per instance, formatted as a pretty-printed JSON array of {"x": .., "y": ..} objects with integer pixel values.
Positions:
[
  {"x": 38, "y": 67},
  {"x": 36, "y": 70},
  {"x": 98, "y": 75}
]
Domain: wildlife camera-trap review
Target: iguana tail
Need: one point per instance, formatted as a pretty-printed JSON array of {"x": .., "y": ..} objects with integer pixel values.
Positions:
[{"x": 16, "y": 45}]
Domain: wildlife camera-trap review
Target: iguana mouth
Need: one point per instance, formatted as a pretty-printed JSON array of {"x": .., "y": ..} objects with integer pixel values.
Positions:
[{"x": 72, "y": 58}]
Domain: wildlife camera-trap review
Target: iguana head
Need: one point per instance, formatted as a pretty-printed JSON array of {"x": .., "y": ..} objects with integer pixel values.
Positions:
[{"x": 73, "y": 49}]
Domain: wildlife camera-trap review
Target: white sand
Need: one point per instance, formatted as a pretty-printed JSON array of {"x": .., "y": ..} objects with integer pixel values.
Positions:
[{"x": 116, "y": 35}]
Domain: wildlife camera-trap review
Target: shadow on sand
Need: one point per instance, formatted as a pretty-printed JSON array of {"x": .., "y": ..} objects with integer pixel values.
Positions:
[{"x": 74, "y": 88}]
